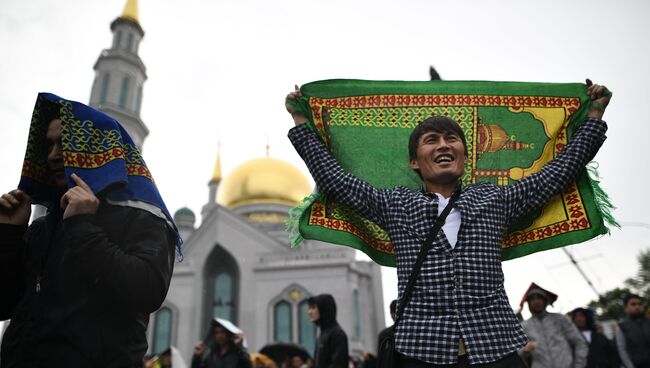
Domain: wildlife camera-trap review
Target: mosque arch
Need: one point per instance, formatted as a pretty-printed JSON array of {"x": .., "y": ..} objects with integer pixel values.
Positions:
[
  {"x": 164, "y": 328},
  {"x": 124, "y": 91},
  {"x": 288, "y": 317},
  {"x": 106, "y": 80},
  {"x": 221, "y": 280}
]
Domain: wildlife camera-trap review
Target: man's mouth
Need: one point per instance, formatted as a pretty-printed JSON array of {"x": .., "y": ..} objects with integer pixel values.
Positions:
[
  {"x": 443, "y": 159},
  {"x": 57, "y": 171}
]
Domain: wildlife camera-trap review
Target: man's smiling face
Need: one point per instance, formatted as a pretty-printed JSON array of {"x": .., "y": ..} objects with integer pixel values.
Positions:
[{"x": 440, "y": 157}]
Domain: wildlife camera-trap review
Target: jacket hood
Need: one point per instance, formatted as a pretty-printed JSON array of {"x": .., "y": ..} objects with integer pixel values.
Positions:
[
  {"x": 326, "y": 308},
  {"x": 590, "y": 317}
]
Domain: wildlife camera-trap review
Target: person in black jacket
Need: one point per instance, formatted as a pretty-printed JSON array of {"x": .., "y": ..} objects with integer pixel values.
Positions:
[
  {"x": 79, "y": 283},
  {"x": 222, "y": 348},
  {"x": 602, "y": 352},
  {"x": 633, "y": 334},
  {"x": 332, "y": 345},
  {"x": 386, "y": 331}
]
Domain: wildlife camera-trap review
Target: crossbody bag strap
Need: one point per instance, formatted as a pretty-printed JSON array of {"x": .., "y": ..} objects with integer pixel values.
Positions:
[{"x": 424, "y": 249}]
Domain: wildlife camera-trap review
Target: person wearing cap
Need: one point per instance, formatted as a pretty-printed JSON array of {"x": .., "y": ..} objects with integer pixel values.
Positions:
[
  {"x": 602, "y": 352},
  {"x": 633, "y": 334},
  {"x": 332, "y": 344},
  {"x": 223, "y": 347},
  {"x": 555, "y": 342}
]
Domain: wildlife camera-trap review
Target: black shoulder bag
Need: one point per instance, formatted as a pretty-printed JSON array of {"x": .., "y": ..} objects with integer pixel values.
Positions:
[{"x": 386, "y": 354}]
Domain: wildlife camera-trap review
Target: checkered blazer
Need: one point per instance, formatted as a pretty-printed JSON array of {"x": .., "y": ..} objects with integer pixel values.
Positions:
[{"x": 459, "y": 292}]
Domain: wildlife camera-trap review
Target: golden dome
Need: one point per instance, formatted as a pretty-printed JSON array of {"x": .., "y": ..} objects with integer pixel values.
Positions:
[{"x": 264, "y": 180}]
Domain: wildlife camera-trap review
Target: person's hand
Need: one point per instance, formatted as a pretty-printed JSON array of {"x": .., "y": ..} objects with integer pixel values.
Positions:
[
  {"x": 600, "y": 97},
  {"x": 298, "y": 117},
  {"x": 529, "y": 347},
  {"x": 199, "y": 348},
  {"x": 79, "y": 200},
  {"x": 15, "y": 208},
  {"x": 238, "y": 338}
]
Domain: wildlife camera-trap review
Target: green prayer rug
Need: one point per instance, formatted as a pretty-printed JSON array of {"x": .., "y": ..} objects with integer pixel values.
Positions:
[{"x": 512, "y": 129}]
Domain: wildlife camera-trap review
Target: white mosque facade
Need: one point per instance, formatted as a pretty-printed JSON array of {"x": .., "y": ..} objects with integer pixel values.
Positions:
[{"x": 238, "y": 264}]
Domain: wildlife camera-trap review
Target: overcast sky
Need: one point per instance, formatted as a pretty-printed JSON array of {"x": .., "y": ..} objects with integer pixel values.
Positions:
[{"x": 219, "y": 71}]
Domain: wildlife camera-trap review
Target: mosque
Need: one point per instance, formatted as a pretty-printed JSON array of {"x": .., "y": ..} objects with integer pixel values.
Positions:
[{"x": 238, "y": 264}]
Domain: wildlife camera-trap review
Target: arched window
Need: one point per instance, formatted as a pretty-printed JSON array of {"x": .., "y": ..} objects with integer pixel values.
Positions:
[
  {"x": 124, "y": 92},
  {"x": 117, "y": 40},
  {"x": 162, "y": 332},
  {"x": 129, "y": 41},
  {"x": 282, "y": 322},
  {"x": 306, "y": 328},
  {"x": 221, "y": 288},
  {"x": 105, "y": 84},
  {"x": 138, "y": 101},
  {"x": 357, "y": 313},
  {"x": 222, "y": 296}
]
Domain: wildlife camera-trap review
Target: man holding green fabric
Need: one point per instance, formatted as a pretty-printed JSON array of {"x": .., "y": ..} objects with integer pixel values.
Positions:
[{"x": 459, "y": 313}]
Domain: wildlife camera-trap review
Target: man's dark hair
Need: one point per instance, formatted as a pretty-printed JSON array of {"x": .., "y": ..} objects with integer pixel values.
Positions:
[
  {"x": 438, "y": 124},
  {"x": 629, "y": 297},
  {"x": 326, "y": 308},
  {"x": 393, "y": 306}
]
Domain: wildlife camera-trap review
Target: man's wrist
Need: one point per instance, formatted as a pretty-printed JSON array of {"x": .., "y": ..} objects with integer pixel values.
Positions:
[
  {"x": 596, "y": 110},
  {"x": 595, "y": 114},
  {"x": 298, "y": 117}
]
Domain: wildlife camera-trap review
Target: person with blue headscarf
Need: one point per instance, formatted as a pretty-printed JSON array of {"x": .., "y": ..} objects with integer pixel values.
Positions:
[{"x": 80, "y": 282}]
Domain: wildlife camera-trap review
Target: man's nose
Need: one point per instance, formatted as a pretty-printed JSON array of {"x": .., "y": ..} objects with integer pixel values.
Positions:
[
  {"x": 443, "y": 144},
  {"x": 55, "y": 153}
]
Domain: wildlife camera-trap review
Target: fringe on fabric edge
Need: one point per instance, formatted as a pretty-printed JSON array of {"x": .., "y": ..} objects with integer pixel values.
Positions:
[
  {"x": 293, "y": 221},
  {"x": 603, "y": 202}
]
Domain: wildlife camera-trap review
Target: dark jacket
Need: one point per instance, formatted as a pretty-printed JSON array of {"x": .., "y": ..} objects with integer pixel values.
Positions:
[
  {"x": 602, "y": 352},
  {"x": 636, "y": 331},
  {"x": 332, "y": 345},
  {"x": 235, "y": 357},
  {"x": 384, "y": 334},
  {"x": 79, "y": 292}
]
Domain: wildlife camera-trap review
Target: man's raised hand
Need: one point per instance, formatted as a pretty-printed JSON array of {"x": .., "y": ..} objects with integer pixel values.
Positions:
[
  {"x": 79, "y": 200},
  {"x": 600, "y": 97},
  {"x": 15, "y": 208},
  {"x": 298, "y": 117}
]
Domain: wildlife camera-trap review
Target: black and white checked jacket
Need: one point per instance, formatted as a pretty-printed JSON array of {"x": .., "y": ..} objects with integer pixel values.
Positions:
[{"x": 459, "y": 292}]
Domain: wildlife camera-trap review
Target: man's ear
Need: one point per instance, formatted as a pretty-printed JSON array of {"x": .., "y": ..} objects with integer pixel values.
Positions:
[{"x": 414, "y": 164}]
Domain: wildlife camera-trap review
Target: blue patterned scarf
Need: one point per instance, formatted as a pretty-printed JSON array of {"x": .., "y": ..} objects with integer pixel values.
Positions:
[{"x": 96, "y": 148}]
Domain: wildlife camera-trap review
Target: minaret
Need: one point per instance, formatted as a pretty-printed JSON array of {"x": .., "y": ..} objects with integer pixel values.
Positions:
[
  {"x": 120, "y": 74},
  {"x": 213, "y": 185}
]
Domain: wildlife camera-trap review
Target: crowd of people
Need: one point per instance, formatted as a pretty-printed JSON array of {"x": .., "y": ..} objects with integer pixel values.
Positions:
[{"x": 572, "y": 340}]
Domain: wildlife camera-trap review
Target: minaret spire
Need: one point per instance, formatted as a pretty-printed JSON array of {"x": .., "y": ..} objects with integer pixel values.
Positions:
[
  {"x": 216, "y": 175},
  {"x": 213, "y": 185},
  {"x": 268, "y": 146},
  {"x": 120, "y": 75},
  {"x": 131, "y": 11}
]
